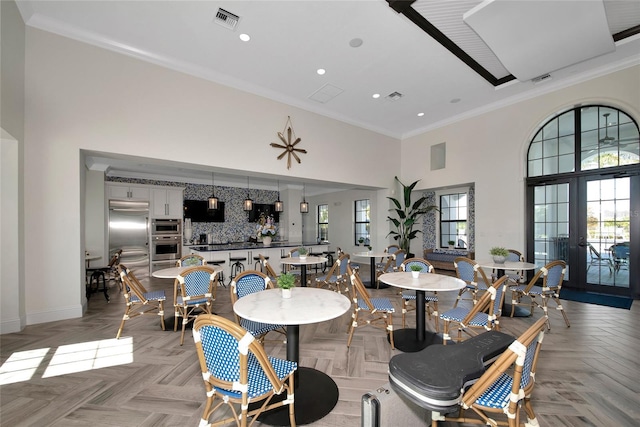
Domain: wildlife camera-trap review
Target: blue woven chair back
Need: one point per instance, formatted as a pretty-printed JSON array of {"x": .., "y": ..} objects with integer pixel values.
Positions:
[
  {"x": 295, "y": 253},
  {"x": 249, "y": 284},
  {"x": 344, "y": 262},
  {"x": 528, "y": 364},
  {"x": 466, "y": 271},
  {"x": 399, "y": 259},
  {"x": 221, "y": 353},
  {"x": 621, "y": 251},
  {"x": 497, "y": 304},
  {"x": 513, "y": 257},
  {"x": 197, "y": 283},
  {"x": 554, "y": 276},
  {"x": 191, "y": 261}
]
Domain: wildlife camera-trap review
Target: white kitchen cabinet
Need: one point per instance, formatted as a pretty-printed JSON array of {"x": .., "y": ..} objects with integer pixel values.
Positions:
[
  {"x": 127, "y": 192},
  {"x": 167, "y": 202}
]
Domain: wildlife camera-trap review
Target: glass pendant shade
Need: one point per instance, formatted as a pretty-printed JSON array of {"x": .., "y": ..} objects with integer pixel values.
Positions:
[
  {"x": 213, "y": 200},
  {"x": 247, "y": 205},
  {"x": 278, "y": 205},
  {"x": 304, "y": 206}
]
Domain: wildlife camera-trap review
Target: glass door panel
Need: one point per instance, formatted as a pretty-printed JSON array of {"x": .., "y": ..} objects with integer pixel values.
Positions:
[
  {"x": 608, "y": 231},
  {"x": 551, "y": 224}
]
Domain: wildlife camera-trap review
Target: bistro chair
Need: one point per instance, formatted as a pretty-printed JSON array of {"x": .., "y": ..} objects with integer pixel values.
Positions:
[
  {"x": 138, "y": 300},
  {"x": 377, "y": 312},
  {"x": 194, "y": 292},
  {"x": 191, "y": 260},
  {"x": 267, "y": 269},
  {"x": 389, "y": 250},
  {"x": 515, "y": 276},
  {"x": 394, "y": 261},
  {"x": 620, "y": 256},
  {"x": 246, "y": 283},
  {"x": 409, "y": 295},
  {"x": 237, "y": 372},
  {"x": 552, "y": 276},
  {"x": 504, "y": 388},
  {"x": 337, "y": 277},
  {"x": 597, "y": 260},
  {"x": 483, "y": 315},
  {"x": 469, "y": 271}
]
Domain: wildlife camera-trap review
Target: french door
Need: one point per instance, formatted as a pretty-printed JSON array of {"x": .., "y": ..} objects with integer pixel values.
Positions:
[{"x": 592, "y": 222}]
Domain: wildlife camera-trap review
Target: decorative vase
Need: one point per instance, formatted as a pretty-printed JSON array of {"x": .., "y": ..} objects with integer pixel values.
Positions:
[
  {"x": 286, "y": 293},
  {"x": 415, "y": 274},
  {"x": 499, "y": 259},
  {"x": 266, "y": 240},
  {"x": 188, "y": 234}
]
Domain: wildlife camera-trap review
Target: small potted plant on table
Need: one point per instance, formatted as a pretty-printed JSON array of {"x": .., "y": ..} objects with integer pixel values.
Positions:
[
  {"x": 285, "y": 282},
  {"x": 499, "y": 254},
  {"x": 452, "y": 244},
  {"x": 302, "y": 253},
  {"x": 415, "y": 271}
]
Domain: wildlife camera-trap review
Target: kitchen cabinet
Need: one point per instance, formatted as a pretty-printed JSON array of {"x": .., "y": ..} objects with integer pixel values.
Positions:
[
  {"x": 127, "y": 192},
  {"x": 167, "y": 202}
]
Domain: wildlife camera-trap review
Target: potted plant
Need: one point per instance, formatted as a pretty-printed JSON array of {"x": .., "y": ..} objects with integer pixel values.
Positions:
[
  {"x": 286, "y": 281},
  {"x": 499, "y": 254},
  {"x": 302, "y": 253},
  {"x": 452, "y": 244},
  {"x": 407, "y": 213},
  {"x": 360, "y": 241},
  {"x": 415, "y": 270}
]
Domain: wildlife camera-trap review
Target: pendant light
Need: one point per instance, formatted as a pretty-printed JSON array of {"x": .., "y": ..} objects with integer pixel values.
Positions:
[
  {"x": 279, "y": 206},
  {"x": 213, "y": 200},
  {"x": 247, "y": 205},
  {"x": 304, "y": 206}
]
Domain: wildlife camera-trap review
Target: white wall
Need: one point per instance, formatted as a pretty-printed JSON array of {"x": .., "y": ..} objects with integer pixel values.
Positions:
[
  {"x": 490, "y": 150},
  {"x": 82, "y": 97}
]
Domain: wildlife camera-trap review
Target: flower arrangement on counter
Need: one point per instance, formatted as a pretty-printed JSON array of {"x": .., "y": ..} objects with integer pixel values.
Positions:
[{"x": 266, "y": 227}]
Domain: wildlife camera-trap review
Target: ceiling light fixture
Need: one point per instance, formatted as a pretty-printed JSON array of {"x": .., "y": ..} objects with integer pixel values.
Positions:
[
  {"x": 304, "y": 206},
  {"x": 420, "y": 114},
  {"x": 376, "y": 96},
  {"x": 213, "y": 200},
  {"x": 244, "y": 37},
  {"x": 355, "y": 42},
  {"x": 279, "y": 206},
  {"x": 247, "y": 205},
  {"x": 321, "y": 71},
  {"x": 607, "y": 139}
]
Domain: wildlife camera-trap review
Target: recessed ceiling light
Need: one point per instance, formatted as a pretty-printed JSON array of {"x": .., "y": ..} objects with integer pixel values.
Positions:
[
  {"x": 245, "y": 37},
  {"x": 420, "y": 114},
  {"x": 355, "y": 42},
  {"x": 376, "y": 95},
  {"x": 321, "y": 71},
  {"x": 455, "y": 100}
]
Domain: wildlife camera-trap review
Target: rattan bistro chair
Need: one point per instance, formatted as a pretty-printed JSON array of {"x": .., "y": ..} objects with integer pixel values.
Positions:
[
  {"x": 267, "y": 269},
  {"x": 194, "y": 292},
  {"x": 246, "y": 283},
  {"x": 469, "y": 271},
  {"x": 336, "y": 279},
  {"x": 482, "y": 316},
  {"x": 138, "y": 300},
  {"x": 394, "y": 261},
  {"x": 552, "y": 276},
  {"x": 191, "y": 260},
  {"x": 505, "y": 387},
  {"x": 409, "y": 296},
  {"x": 377, "y": 312},
  {"x": 237, "y": 372}
]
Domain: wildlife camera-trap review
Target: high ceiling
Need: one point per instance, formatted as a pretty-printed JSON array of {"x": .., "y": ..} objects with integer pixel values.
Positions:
[{"x": 432, "y": 62}]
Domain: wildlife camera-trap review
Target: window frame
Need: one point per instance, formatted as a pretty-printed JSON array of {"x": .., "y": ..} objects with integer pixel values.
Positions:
[
  {"x": 359, "y": 224},
  {"x": 322, "y": 225},
  {"x": 442, "y": 222}
]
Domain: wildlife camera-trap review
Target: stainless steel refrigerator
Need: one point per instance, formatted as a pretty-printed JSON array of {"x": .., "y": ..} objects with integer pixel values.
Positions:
[{"x": 129, "y": 231}]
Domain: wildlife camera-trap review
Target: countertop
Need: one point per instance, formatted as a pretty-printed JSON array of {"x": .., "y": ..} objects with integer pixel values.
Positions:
[{"x": 251, "y": 245}]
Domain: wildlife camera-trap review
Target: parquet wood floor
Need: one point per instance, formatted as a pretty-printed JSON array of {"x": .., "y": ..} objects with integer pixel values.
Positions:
[{"x": 588, "y": 374}]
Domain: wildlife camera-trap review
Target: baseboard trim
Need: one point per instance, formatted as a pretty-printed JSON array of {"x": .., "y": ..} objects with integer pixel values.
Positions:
[{"x": 62, "y": 313}]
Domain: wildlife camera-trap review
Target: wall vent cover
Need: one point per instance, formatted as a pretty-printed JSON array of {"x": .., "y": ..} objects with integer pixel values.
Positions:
[
  {"x": 226, "y": 19},
  {"x": 394, "y": 96},
  {"x": 541, "y": 78}
]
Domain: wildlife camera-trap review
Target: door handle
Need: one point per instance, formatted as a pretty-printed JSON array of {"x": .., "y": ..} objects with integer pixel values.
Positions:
[{"x": 582, "y": 243}]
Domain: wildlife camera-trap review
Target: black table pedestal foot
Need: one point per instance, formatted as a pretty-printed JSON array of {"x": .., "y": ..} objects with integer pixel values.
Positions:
[
  {"x": 405, "y": 340},
  {"x": 315, "y": 395}
]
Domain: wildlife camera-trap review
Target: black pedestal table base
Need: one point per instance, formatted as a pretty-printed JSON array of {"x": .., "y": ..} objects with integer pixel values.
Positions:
[
  {"x": 315, "y": 395},
  {"x": 405, "y": 340}
]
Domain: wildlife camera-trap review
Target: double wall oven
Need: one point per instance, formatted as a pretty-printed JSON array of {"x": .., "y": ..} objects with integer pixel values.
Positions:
[{"x": 166, "y": 243}]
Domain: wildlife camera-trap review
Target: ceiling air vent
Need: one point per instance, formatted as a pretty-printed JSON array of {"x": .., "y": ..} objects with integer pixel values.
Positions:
[
  {"x": 226, "y": 19},
  {"x": 394, "y": 96},
  {"x": 541, "y": 78}
]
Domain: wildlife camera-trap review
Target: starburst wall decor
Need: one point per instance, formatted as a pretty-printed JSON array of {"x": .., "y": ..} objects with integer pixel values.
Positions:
[{"x": 290, "y": 143}]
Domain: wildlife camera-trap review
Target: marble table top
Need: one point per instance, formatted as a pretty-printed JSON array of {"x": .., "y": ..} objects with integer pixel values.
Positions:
[
  {"x": 306, "y": 261},
  {"x": 173, "y": 272},
  {"x": 507, "y": 265},
  {"x": 425, "y": 282},
  {"x": 306, "y": 305}
]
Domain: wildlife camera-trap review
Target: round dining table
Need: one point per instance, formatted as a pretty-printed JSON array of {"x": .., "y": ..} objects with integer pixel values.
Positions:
[
  {"x": 302, "y": 263},
  {"x": 501, "y": 268},
  {"x": 316, "y": 393},
  {"x": 372, "y": 264},
  {"x": 173, "y": 272},
  {"x": 409, "y": 339}
]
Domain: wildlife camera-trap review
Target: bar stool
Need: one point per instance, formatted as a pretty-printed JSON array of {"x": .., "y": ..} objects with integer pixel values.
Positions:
[
  {"x": 329, "y": 255},
  {"x": 237, "y": 266},
  {"x": 324, "y": 265},
  {"x": 221, "y": 273},
  {"x": 258, "y": 263}
]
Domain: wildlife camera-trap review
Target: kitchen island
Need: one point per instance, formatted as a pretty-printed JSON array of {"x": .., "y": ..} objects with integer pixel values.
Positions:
[{"x": 275, "y": 252}]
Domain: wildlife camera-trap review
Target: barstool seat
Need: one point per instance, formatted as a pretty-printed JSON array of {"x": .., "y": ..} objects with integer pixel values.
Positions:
[{"x": 237, "y": 266}]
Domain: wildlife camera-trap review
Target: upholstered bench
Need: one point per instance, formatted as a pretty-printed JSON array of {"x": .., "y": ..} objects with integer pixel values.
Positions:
[{"x": 442, "y": 259}]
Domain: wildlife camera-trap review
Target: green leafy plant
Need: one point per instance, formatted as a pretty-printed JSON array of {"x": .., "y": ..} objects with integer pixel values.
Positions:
[
  {"x": 302, "y": 251},
  {"x": 407, "y": 214},
  {"x": 286, "y": 281},
  {"x": 451, "y": 242},
  {"x": 498, "y": 251},
  {"x": 415, "y": 267}
]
